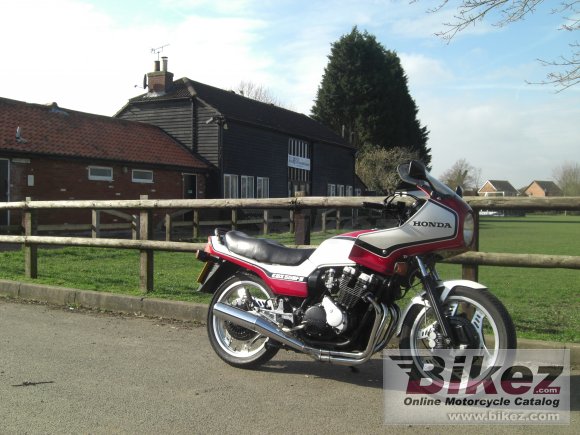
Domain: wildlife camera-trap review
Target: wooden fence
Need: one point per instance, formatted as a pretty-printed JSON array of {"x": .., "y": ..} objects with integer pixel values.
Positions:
[{"x": 138, "y": 213}]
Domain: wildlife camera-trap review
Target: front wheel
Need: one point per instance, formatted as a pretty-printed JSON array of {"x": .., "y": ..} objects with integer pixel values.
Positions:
[
  {"x": 238, "y": 346},
  {"x": 480, "y": 322}
]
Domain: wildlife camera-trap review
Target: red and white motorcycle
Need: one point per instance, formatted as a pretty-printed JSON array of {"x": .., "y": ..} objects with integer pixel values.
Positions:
[{"x": 337, "y": 303}]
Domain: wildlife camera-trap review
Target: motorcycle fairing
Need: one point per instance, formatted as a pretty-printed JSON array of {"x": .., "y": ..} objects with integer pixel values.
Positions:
[{"x": 433, "y": 224}]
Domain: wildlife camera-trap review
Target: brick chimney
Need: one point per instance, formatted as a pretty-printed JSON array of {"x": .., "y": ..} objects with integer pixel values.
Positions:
[{"x": 158, "y": 81}]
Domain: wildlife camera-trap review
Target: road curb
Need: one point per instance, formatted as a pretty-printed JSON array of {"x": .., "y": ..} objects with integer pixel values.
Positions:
[{"x": 174, "y": 310}]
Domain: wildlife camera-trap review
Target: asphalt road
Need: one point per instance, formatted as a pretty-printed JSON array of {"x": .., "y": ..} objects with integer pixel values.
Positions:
[{"x": 69, "y": 371}]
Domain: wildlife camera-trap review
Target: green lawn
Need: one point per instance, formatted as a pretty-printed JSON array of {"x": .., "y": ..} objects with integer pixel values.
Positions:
[{"x": 545, "y": 303}]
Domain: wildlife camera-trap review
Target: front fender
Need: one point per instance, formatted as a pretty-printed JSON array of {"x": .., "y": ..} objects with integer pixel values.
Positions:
[{"x": 448, "y": 286}]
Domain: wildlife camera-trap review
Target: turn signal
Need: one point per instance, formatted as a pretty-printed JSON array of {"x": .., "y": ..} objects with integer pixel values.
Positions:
[{"x": 401, "y": 268}]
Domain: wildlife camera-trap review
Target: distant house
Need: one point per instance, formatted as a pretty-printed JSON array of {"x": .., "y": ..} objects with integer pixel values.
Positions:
[
  {"x": 497, "y": 188},
  {"x": 51, "y": 153},
  {"x": 543, "y": 188},
  {"x": 257, "y": 150}
]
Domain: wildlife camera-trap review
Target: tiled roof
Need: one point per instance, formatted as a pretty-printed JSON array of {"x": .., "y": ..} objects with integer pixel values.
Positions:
[
  {"x": 502, "y": 186},
  {"x": 549, "y": 187},
  {"x": 237, "y": 107},
  {"x": 50, "y": 130}
]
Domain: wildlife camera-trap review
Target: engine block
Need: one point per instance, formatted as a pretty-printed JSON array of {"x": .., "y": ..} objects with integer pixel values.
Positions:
[{"x": 353, "y": 286}]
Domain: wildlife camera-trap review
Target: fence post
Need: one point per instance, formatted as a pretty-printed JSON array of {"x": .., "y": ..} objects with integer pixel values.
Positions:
[
  {"x": 471, "y": 271},
  {"x": 146, "y": 255},
  {"x": 234, "y": 219},
  {"x": 168, "y": 227},
  {"x": 338, "y": 219},
  {"x": 95, "y": 224},
  {"x": 266, "y": 227},
  {"x": 134, "y": 227},
  {"x": 301, "y": 224},
  {"x": 324, "y": 221},
  {"x": 195, "y": 224},
  {"x": 30, "y": 223},
  {"x": 291, "y": 219}
]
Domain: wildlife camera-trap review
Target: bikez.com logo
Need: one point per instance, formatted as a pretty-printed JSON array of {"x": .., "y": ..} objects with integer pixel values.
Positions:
[
  {"x": 466, "y": 376},
  {"x": 428, "y": 224}
]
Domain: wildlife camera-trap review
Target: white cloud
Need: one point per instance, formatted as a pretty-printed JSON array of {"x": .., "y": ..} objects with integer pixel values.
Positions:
[
  {"x": 505, "y": 138},
  {"x": 85, "y": 60},
  {"x": 423, "y": 71}
]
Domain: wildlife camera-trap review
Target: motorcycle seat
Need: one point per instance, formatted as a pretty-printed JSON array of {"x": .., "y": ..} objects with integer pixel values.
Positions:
[{"x": 264, "y": 250}]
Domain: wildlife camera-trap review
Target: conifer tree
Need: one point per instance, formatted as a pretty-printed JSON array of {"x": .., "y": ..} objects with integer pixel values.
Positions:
[{"x": 364, "y": 96}]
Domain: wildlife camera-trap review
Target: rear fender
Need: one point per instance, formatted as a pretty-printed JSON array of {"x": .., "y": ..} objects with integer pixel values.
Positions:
[
  {"x": 220, "y": 271},
  {"x": 448, "y": 286}
]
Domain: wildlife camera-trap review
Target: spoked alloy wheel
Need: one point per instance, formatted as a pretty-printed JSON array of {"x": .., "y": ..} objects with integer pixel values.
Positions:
[
  {"x": 236, "y": 345},
  {"x": 483, "y": 324}
]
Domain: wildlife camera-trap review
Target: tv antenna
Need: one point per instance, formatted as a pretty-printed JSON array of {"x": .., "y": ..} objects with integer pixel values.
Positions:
[{"x": 158, "y": 50}]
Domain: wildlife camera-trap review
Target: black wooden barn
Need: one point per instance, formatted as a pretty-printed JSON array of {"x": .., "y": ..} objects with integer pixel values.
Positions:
[{"x": 257, "y": 150}]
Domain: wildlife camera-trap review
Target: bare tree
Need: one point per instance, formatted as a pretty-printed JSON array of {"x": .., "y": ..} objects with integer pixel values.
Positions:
[
  {"x": 566, "y": 69},
  {"x": 567, "y": 176},
  {"x": 377, "y": 166},
  {"x": 462, "y": 174},
  {"x": 258, "y": 92}
]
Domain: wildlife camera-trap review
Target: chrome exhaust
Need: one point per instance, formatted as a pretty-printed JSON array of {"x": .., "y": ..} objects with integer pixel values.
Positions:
[
  {"x": 257, "y": 324},
  {"x": 382, "y": 328}
]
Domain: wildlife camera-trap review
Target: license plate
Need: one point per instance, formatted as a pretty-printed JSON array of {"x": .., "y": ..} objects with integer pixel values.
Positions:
[{"x": 204, "y": 272}]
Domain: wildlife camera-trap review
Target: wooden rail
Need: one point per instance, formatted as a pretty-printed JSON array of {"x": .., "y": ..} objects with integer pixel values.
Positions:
[{"x": 142, "y": 209}]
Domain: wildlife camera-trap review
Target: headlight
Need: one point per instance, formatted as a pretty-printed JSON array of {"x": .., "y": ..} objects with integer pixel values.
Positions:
[{"x": 468, "y": 229}]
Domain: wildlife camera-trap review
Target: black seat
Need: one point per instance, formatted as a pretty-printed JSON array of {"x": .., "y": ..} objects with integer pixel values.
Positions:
[{"x": 264, "y": 250}]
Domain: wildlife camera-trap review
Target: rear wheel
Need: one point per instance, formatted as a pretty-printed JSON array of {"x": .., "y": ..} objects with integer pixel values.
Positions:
[
  {"x": 236, "y": 345},
  {"x": 482, "y": 324}
]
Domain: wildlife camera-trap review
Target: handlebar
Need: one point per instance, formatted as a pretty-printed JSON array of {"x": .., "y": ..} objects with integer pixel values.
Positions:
[{"x": 401, "y": 210}]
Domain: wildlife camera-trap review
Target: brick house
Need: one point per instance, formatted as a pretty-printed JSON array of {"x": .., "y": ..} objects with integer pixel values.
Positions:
[
  {"x": 50, "y": 153},
  {"x": 542, "y": 189},
  {"x": 256, "y": 149},
  {"x": 497, "y": 188}
]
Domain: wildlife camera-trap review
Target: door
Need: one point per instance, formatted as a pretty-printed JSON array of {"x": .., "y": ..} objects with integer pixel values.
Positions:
[
  {"x": 189, "y": 186},
  {"x": 189, "y": 191},
  {"x": 4, "y": 189}
]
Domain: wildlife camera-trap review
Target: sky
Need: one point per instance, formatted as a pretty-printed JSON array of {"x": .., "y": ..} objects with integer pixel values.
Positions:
[{"x": 473, "y": 93}]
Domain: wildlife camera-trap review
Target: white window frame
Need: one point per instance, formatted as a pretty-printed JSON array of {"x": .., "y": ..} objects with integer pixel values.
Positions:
[
  {"x": 100, "y": 177},
  {"x": 262, "y": 187},
  {"x": 340, "y": 190},
  {"x": 247, "y": 186},
  {"x": 358, "y": 191},
  {"x": 348, "y": 190},
  {"x": 331, "y": 190},
  {"x": 141, "y": 180},
  {"x": 231, "y": 186}
]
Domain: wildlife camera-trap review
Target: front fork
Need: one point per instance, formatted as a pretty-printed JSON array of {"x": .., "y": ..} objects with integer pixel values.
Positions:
[{"x": 429, "y": 282}]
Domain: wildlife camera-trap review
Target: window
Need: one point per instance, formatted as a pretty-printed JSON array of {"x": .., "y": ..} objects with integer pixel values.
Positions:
[
  {"x": 331, "y": 191},
  {"x": 358, "y": 191},
  {"x": 100, "y": 173},
  {"x": 263, "y": 187},
  {"x": 348, "y": 190},
  {"x": 340, "y": 189},
  {"x": 142, "y": 176},
  {"x": 230, "y": 186},
  {"x": 247, "y": 186}
]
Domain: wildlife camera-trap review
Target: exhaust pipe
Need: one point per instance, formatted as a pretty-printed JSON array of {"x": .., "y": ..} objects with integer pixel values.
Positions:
[
  {"x": 257, "y": 324},
  {"x": 264, "y": 327}
]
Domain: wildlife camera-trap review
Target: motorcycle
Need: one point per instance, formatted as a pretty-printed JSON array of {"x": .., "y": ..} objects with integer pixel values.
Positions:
[{"x": 337, "y": 303}]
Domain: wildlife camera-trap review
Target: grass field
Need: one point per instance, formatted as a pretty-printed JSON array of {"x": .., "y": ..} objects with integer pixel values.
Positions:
[{"x": 544, "y": 303}]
